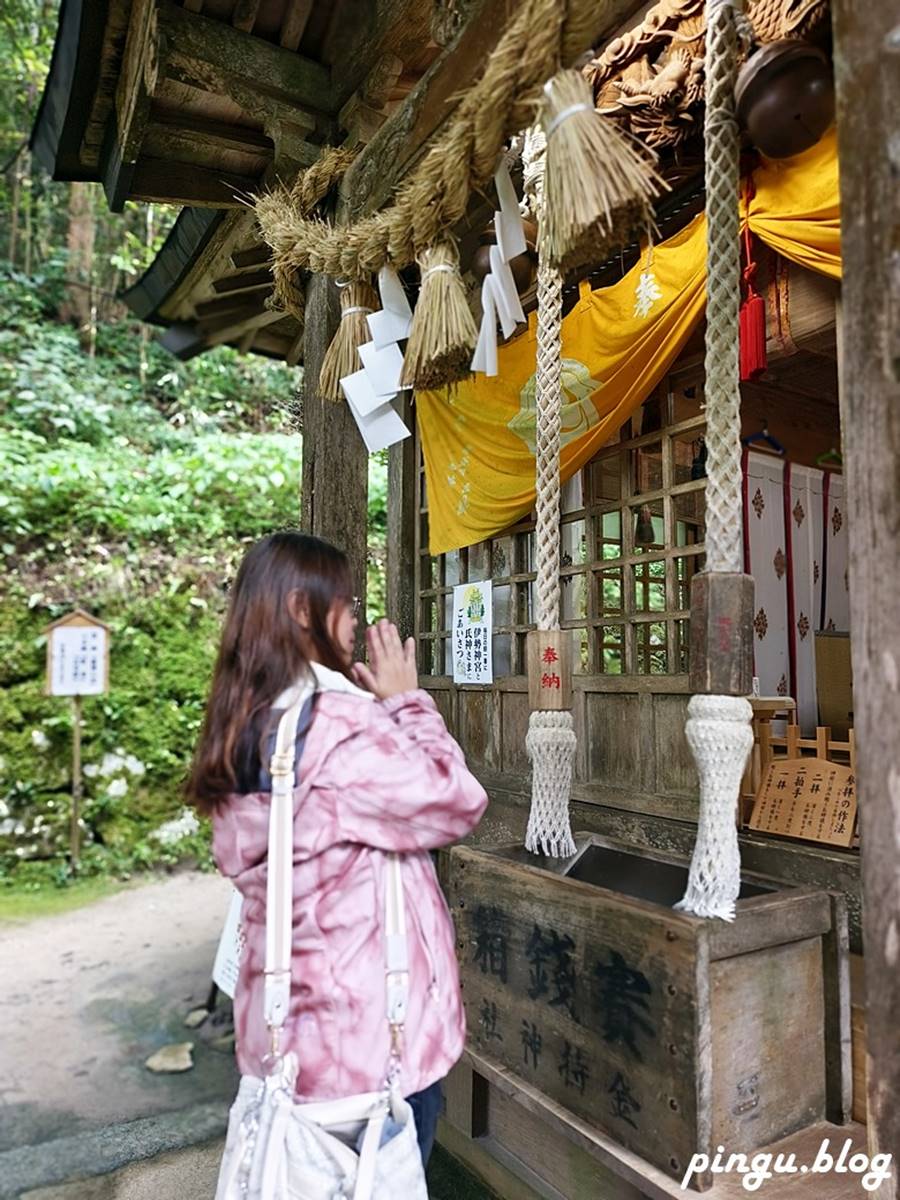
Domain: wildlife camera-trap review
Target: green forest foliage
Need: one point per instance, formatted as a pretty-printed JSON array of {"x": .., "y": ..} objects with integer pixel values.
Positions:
[{"x": 130, "y": 485}]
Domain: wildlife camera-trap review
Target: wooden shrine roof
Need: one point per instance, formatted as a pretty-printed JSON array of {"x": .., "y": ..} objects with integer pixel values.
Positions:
[{"x": 202, "y": 103}]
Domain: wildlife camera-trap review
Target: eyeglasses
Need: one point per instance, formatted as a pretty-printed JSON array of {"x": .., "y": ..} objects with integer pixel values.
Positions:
[{"x": 353, "y": 605}]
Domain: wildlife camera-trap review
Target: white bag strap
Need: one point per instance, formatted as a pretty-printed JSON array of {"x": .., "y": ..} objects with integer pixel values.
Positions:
[
  {"x": 280, "y": 901},
  {"x": 280, "y": 878}
]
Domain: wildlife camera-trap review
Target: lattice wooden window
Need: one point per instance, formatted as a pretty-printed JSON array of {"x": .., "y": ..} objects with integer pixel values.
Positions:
[{"x": 625, "y": 601}]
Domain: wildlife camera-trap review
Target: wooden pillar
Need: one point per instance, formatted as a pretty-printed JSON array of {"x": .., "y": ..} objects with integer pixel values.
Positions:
[
  {"x": 867, "y": 69},
  {"x": 335, "y": 488},
  {"x": 402, "y": 514}
]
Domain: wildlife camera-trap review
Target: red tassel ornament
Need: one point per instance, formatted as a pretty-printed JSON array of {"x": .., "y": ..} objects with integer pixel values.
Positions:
[
  {"x": 752, "y": 322},
  {"x": 753, "y": 336}
]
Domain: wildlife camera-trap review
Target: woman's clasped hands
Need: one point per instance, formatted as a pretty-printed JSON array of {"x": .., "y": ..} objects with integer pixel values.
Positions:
[{"x": 391, "y": 668}]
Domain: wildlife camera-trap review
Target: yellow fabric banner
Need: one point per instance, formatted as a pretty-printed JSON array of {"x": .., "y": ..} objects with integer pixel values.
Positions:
[
  {"x": 796, "y": 207},
  {"x": 478, "y": 439}
]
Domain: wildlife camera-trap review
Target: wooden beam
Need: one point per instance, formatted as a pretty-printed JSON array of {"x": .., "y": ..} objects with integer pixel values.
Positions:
[
  {"x": 867, "y": 74},
  {"x": 294, "y": 22},
  {"x": 362, "y": 31},
  {"x": 230, "y": 333},
  {"x": 253, "y": 72},
  {"x": 181, "y": 136},
  {"x": 228, "y": 311},
  {"x": 253, "y": 256},
  {"x": 294, "y": 354},
  {"x": 142, "y": 62},
  {"x": 244, "y": 15},
  {"x": 236, "y": 228},
  {"x": 402, "y": 514},
  {"x": 335, "y": 461},
  {"x": 373, "y": 177},
  {"x": 225, "y": 306},
  {"x": 246, "y": 282},
  {"x": 245, "y": 345},
  {"x": 158, "y": 181}
]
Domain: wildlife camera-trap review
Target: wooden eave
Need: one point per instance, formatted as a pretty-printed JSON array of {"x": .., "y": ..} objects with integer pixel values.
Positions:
[
  {"x": 209, "y": 284},
  {"x": 197, "y": 102}
]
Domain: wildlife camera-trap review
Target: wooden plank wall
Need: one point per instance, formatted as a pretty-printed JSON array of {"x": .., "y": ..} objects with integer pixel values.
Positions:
[{"x": 632, "y": 752}]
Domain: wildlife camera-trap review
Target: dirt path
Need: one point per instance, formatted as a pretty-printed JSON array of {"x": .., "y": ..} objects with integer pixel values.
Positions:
[{"x": 87, "y": 996}]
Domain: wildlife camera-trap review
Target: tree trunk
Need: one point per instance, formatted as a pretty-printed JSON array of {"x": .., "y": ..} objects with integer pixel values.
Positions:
[
  {"x": 14, "y": 216},
  {"x": 867, "y": 73},
  {"x": 78, "y": 303},
  {"x": 145, "y": 328},
  {"x": 29, "y": 200}
]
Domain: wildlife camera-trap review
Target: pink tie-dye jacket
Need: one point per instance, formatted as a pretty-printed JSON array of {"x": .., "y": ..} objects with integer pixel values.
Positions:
[{"x": 373, "y": 777}]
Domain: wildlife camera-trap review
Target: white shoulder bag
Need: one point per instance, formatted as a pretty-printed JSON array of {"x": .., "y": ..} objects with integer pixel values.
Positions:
[{"x": 276, "y": 1148}]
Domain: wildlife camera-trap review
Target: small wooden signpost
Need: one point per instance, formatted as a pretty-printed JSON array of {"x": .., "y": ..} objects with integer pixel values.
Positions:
[{"x": 77, "y": 665}]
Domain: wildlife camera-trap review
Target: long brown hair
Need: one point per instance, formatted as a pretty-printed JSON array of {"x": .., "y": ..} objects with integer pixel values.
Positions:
[{"x": 260, "y": 655}]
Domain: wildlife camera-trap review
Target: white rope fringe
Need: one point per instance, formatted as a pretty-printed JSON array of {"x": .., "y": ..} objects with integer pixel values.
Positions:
[
  {"x": 550, "y": 744},
  {"x": 720, "y": 737}
]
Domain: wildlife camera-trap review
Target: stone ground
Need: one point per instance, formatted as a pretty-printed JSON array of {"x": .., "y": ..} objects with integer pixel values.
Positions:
[
  {"x": 89, "y": 995},
  {"x": 85, "y": 998}
]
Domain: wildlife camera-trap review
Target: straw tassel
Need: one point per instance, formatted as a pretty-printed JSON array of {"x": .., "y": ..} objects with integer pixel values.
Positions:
[
  {"x": 598, "y": 187},
  {"x": 358, "y": 299},
  {"x": 443, "y": 334}
]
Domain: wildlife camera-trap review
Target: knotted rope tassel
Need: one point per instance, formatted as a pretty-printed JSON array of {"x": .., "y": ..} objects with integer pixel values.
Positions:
[{"x": 718, "y": 727}]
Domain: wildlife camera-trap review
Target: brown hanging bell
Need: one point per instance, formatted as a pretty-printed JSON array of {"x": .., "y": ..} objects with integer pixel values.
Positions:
[
  {"x": 785, "y": 97},
  {"x": 522, "y": 265},
  {"x": 644, "y": 534}
]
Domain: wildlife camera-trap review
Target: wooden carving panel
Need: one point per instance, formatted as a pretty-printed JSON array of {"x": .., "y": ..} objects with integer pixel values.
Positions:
[{"x": 589, "y": 997}]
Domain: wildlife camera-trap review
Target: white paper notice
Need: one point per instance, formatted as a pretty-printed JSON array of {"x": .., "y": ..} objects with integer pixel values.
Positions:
[
  {"x": 508, "y": 221},
  {"x": 393, "y": 322},
  {"x": 473, "y": 624},
  {"x": 77, "y": 660},
  {"x": 383, "y": 367},
  {"x": 231, "y": 947}
]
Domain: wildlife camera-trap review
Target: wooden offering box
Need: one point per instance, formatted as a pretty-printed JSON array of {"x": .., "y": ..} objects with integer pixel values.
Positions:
[{"x": 670, "y": 1034}]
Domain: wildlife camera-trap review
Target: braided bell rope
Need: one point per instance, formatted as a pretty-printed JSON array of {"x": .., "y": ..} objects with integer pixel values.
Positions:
[
  {"x": 548, "y": 400},
  {"x": 542, "y": 35},
  {"x": 718, "y": 728},
  {"x": 724, "y": 516},
  {"x": 550, "y": 742}
]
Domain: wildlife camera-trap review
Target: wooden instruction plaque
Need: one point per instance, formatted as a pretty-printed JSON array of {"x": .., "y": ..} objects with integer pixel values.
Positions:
[{"x": 807, "y": 798}]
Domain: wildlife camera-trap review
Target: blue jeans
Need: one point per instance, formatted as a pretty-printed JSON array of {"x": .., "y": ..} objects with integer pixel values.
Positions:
[{"x": 426, "y": 1106}]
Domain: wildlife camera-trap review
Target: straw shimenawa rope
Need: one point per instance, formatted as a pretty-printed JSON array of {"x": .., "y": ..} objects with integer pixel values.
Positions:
[
  {"x": 543, "y": 35},
  {"x": 298, "y": 201}
]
